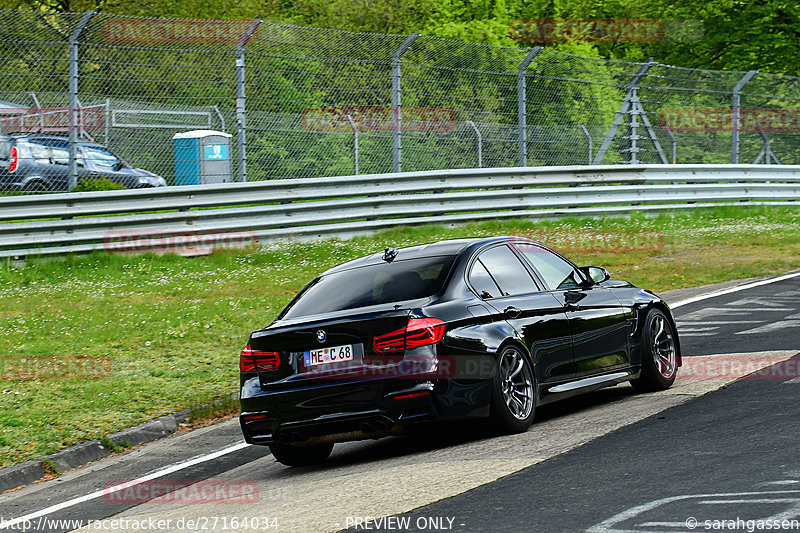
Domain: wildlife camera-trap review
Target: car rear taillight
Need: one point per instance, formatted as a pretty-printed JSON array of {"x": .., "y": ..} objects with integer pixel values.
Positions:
[
  {"x": 418, "y": 332},
  {"x": 13, "y": 162},
  {"x": 251, "y": 360}
]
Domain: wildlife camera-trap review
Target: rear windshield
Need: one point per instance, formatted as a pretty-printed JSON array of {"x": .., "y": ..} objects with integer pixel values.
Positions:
[
  {"x": 5, "y": 148},
  {"x": 372, "y": 285}
]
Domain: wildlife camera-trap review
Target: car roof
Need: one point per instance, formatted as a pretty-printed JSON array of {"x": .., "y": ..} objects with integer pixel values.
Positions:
[
  {"x": 51, "y": 137},
  {"x": 440, "y": 248},
  {"x": 40, "y": 136}
]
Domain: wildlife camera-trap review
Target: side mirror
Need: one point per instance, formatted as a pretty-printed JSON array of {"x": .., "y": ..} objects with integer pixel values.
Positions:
[{"x": 596, "y": 274}]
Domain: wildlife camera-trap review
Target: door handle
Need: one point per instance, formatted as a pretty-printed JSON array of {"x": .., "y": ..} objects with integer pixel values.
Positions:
[{"x": 512, "y": 312}]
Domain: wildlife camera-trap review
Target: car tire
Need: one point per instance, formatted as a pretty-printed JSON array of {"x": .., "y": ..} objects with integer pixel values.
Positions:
[
  {"x": 659, "y": 354},
  {"x": 513, "y": 391},
  {"x": 34, "y": 186},
  {"x": 290, "y": 455}
]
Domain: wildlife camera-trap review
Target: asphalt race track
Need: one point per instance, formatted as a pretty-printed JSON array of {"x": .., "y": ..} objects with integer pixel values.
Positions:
[{"x": 718, "y": 450}]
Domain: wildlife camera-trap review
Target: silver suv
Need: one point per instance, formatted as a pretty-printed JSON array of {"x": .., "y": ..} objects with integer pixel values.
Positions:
[{"x": 41, "y": 163}]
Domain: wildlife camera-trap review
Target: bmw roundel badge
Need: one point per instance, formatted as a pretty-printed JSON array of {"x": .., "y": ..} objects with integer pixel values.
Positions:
[{"x": 321, "y": 336}]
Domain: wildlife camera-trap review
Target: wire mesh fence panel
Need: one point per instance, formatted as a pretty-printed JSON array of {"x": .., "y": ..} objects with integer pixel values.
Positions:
[
  {"x": 34, "y": 65},
  {"x": 156, "y": 78},
  {"x": 447, "y": 83},
  {"x": 692, "y": 109},
  {"x": 770, "y": 120},
  {"x": 170, "y": 102},
  {"x": 565, "y": 92},
  {"x": 302, "y": 85}
]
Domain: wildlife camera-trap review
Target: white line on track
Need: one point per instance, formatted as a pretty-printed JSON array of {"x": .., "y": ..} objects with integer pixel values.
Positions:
[
  {"x": 733, "y": 289},
  {"x": 13, "y": 522}
]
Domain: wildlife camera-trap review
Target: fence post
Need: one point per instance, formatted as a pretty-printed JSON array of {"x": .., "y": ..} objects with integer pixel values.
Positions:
[
  {"x": 479, "y": 139},
  {"x": 522, "y": 117},
  {"x": 241, "y": 109},
  {"x": 73, "y": 96},
  {"x": 397, "y": 126},
  {"x": 736, "y": 115},
  {"x": 39, "y": 110},
  {"x": 355, "y": 143},
  {"x": 107, "y": 125},
  {"x": 588, "y": 140},
  {"x": 674, "y": 144}
]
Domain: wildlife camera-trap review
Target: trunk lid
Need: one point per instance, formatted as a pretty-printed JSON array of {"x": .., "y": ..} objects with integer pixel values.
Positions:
[{"x": 326, "y": 348}]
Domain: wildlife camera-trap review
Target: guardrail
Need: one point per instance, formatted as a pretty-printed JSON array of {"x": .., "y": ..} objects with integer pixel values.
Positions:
[{"x": 319, "y": 207}]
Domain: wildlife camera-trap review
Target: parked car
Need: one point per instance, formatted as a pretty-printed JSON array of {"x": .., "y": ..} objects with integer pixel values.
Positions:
[
  {"x": 488, "y": 327},
  {"x": 35, "y": 162}
]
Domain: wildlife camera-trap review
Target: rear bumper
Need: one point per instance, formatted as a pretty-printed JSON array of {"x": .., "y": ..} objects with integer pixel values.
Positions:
[
  {"x": 354, "y": 410},
  {"x": 340, "y": 411}
]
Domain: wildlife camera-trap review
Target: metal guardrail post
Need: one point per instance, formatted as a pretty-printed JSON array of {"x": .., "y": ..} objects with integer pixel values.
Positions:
[
  {"x": 397, "y": 103},
  {"x": 522, "y": 117},
  {"x": 588, "y": 140},
  {"x": 355, "y": 143},
  {"x": 735, "y": 118},
  {"x": 479, "y": 139},
  {"x": 73, "y": 96},
  {"x": 241, "y": 109}
]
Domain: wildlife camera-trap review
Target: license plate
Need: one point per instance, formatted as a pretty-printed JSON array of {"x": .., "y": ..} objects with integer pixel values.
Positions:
[{"x": 332, "y": 354}]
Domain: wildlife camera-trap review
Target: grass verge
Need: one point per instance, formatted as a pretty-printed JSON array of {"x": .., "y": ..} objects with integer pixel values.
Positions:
[{"x": 97, "y": 343}]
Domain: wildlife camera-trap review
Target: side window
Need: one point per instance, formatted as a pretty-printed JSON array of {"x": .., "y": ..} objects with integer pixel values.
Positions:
[
  {"x": 100, "y": 156},
  {"x": 482, "y": 282},
  {"x": 40, "y": 151},
  {"x": 507, "y": 270},
  {"x": 557, "y": 273},
  {"x": 60, "y": 153}
]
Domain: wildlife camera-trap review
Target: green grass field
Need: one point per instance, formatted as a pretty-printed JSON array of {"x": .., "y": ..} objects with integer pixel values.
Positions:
[{"x": 97, "y": 343}]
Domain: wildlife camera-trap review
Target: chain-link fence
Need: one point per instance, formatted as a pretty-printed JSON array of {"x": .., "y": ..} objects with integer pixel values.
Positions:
[{"x": 251, "y": 100}]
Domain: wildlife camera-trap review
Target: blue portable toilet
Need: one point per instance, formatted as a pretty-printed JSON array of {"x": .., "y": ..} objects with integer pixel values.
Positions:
[{"x": 202, "y": 156}]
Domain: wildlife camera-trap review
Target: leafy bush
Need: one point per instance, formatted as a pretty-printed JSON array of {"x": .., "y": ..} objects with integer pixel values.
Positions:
[{"x": 97, "y": 184}]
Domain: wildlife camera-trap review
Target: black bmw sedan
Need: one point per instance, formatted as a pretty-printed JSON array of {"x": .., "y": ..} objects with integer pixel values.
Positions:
[{"x": 488, "y": 327}]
